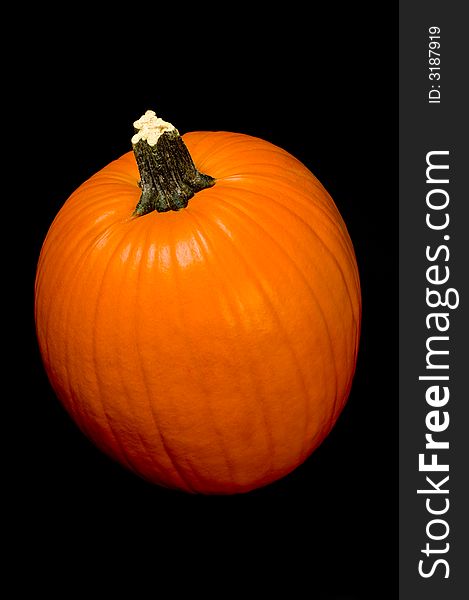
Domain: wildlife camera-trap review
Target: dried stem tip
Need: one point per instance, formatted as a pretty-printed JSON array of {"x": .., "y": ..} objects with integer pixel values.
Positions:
[{"x": 150, "y": 127}]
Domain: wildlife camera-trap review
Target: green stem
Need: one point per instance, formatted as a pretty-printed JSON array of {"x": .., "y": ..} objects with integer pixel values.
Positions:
[{"x": 168, "y": 176}]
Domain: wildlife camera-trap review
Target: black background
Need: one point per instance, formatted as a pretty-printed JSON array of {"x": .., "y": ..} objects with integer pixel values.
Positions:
[{"x": 322, "y": 86}]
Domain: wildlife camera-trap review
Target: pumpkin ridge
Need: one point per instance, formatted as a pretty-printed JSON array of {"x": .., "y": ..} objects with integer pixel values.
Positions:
[
  {"x": 63, "y": 253},
  {"x": 273, "y": 311},
  {"x": 232, "y": 208},
  {"x": 213, "y": 259},
  {"x": 63, "y": 309},
  {"x": 194, "y": 146},
  {"x": 321, "y": 242},
  {"x": 61, "y": 258},
  {"x": 156, "y": 421},
  {"x": 123, "y": 384},
  {"x": 67, "y": 228},
  {"x": 224, "y": 451},
  {"x": 302, "y": 198},
  {"x": 338, "y": 234},
  {"x": 219, "y": 152},
  {"x": 147, "y": 446},
  {"x": 94, "y": 351},
  {"x": 189, "y": 348},
  {"x": 74, "y": 405},
  {"x": 309, "y": 287},
  {"x": 339, "y": 270},
  {"x": 218, "y": 141}
]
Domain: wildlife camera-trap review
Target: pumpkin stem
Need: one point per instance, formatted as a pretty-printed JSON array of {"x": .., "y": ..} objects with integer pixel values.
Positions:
[{"x": 168, "y": 176}]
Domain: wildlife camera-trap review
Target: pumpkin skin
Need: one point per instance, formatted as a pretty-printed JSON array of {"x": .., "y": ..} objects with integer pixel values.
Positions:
[{"x": 209, "y": 349}]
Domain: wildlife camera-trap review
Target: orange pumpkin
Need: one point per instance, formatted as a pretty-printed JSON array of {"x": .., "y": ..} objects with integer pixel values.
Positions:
[{"x": 209, "y": 348}]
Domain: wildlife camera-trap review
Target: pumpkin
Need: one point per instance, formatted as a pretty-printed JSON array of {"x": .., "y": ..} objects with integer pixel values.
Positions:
[{"x": 197, "y": 306}]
